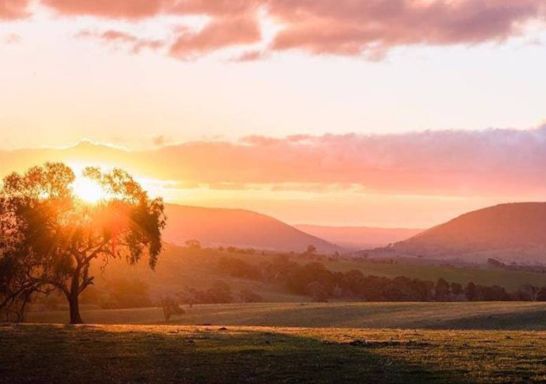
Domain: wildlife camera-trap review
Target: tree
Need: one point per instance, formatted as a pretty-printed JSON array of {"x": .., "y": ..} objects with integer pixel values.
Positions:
[
  {"x": 441, "y": 290},
  {"x": 457, "y": 289},
  {"x": 311, "y": 250},
  {"x": 541, "y": 296},
  {"x": 317, "y": 291},
  {"x": 51, "y": 236},
  {"x": 528, "y": 292},
  {"x": 220, "y": 292},
  {"x": 170, "y": 308},
  {"x": 248, "y": 296},
  {"x": 471, "y": 292},
  {"x": 193, "y": 244}
]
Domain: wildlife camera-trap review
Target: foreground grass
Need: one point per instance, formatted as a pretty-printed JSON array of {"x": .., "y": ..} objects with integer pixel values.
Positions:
[
  {"x": 462, "y": 315},
  {"x": 191, "y": 354}
]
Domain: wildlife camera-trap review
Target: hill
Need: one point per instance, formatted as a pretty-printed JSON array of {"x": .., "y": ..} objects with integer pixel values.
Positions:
[
  {"x": 359, "y": 237},
  {"x": 509, "y": 232},
  {"x": 238, "y": 228}
]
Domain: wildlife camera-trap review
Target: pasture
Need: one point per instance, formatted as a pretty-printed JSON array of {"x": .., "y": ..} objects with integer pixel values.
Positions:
[
  {"x": 213, "y": 354},
  {"x": 431, "y": 315},
  {"x": 179, "y": 268}
]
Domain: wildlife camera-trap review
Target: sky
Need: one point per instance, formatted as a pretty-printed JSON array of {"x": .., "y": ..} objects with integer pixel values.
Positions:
[{"x": 383, "y": 112}]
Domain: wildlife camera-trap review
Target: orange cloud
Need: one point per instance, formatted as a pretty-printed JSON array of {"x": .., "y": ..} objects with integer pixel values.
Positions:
[
  {"x": 123, "y": 9},
  {"x": 13, "y": 9},
  {"x": 455, "y": 163}
]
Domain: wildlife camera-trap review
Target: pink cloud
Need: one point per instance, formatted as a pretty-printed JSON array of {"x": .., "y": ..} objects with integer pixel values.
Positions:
[
  {"x": 12, "y": 38},
  {"x": 13, "y": 9},
  {"x": 136, "y": 44},
  {"x": 250, "y": 55},
  {"x": 353, "y": 27},
  {"x": 492, "y": 162},
  {"x": 220, "y": 33},
  {"x": 495, "y": 162},
  {"x": 344, "y": 27},
  {"x": 216, "y": 8},
  {"x": 123, "y": 9}
]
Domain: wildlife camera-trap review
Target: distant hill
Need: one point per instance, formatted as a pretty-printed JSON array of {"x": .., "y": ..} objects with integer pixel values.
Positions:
[
  {"x": 237, "y": 227},
  {"x": 508, "y": 232},
  {"x": 359, "y": 237}
]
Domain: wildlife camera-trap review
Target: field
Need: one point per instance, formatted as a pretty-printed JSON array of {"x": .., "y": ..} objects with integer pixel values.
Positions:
[
  {"x": 461, "y": 315},
  {"x": 212, "y": 354},
  {"x": 286, "y": 339},
  {"x": 181, "y": 267}
]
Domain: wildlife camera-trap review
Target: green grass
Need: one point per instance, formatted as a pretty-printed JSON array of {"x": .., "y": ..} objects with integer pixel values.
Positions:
[
  {"x": 198, "y": 354},
  {"x": 458, "y": 315}
]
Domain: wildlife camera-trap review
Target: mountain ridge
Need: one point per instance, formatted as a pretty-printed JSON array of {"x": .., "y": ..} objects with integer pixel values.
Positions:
[
  {"x": 511, "y": 232},
  {"x": 359, "y": 237},
  {"x": 239, "y": 228}
]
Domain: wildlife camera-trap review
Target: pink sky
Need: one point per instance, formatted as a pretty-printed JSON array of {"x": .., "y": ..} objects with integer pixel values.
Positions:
[{"x": 382, "y": 112}]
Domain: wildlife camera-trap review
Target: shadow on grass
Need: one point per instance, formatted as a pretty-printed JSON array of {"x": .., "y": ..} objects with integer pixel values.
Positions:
[
  {"x": 87, "y": 354},
  {"x": 523, "y": 321}
]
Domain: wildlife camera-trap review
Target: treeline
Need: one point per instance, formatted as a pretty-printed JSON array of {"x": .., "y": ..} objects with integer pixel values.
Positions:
[
  {"x": 315, "y": 280},
  {"x": 516, "y": 267},
  {"x": 220, "y": 292},
  {"x": 114, "y": 294}
]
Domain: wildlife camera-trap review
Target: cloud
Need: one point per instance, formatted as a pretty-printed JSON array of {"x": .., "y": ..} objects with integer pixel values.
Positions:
[
  {"x": 134, "y": 43},
  {"x": 12, "y": 38},
  {"x": 115, "y": 9},
  {"x": 13, "y": 9},
  {"x": 220, "y": 33},
  {"x": 352, "y": 27},
  {"x": 495, "y": 162},
  {"x": 369, "y": 29},
  {"x": 160, "y": 140},
  {"x": 250, "y": 55}
]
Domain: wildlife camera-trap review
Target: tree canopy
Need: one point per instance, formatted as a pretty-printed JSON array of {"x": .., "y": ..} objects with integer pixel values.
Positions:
[{"x": 49, "y": 236}]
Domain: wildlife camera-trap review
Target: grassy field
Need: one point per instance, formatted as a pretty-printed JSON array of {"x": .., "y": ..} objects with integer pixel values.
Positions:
[
  {"x": 459, "y": 315},
  {"x": 286, "y": 340},
  {"x": 479, "y": 274},
  {"x": 212, "y": 354},
  {"x": 198, "y": 268}
]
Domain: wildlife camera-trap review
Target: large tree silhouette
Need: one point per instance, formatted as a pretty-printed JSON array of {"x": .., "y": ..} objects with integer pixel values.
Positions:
[{"x": 49, "y": 236}]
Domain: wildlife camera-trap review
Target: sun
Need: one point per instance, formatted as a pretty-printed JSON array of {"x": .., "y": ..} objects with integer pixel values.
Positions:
[{"x": 88, "y": 190}]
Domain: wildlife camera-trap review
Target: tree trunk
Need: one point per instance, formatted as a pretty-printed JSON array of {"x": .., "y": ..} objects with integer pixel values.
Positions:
[
  {"x": 74, "y": 299},
  {"x": 74, "y": 304}
]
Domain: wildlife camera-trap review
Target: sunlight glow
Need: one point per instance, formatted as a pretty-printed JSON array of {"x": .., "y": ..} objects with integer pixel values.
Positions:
[{"x": 88, "y": 190}]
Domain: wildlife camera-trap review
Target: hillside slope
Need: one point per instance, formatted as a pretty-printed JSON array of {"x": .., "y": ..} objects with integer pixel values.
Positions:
[
  {"x": 359, "y": 237},
  {"x": 236, "y": 227},
  {"x": 510, "y": 232}
]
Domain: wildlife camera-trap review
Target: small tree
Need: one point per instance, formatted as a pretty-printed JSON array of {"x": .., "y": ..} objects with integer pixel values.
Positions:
[
  {"x": 51, "y": 236},
  {"x": 248, "y": 296},
  {"x": 311, "y": 250},
  {"x": 170, "y": 308},
  {"x": 193, "y": 244}
]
